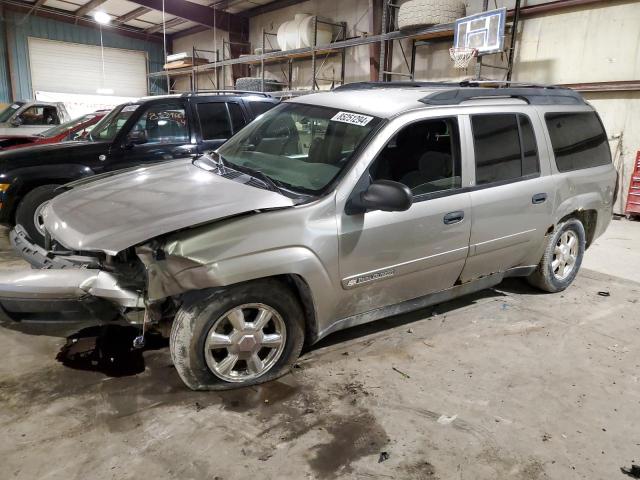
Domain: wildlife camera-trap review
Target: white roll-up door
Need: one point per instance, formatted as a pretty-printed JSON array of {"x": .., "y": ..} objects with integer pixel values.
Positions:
[{"x": 74, "y": 68}]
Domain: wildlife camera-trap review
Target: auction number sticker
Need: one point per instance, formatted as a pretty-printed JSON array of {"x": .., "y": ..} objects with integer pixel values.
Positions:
[
  {"x": 130, "y": 108},
  {"x": 352, "y": 118}
]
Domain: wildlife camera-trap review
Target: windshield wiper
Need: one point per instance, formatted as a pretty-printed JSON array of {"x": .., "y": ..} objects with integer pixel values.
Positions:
[
  {"x": 266, "y": 179},
  {"x": 269, "y": 182}
]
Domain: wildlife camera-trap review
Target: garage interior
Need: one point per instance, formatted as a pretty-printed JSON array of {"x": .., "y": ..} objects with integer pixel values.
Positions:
[{"x": 503, "y": 383}]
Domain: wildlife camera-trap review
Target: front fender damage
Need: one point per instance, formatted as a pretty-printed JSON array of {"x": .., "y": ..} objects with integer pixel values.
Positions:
[{"x": 169, "y": 275}]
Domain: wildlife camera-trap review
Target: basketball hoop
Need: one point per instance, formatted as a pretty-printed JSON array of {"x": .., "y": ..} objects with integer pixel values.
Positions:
[{"x": 461, "y": 56}]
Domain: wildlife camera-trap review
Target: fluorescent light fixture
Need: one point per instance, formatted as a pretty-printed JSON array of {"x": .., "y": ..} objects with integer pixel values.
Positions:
[
  {"x": 105, "y": 91},
  {"x": 102, "y": 18}
]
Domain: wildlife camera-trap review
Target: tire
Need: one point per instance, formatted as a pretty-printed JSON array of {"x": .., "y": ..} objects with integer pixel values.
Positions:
[
  {"x": 206, "y": 312},
  {"x": 549, "y": 277},
  {"x": 252, "y": 84},
  {"x": 418, "y": 13},
  {"x": 28, "y": 208}
]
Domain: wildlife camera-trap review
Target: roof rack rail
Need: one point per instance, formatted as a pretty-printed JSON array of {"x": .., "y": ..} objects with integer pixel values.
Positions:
[
  {"x": 225, "y": 92},
  {"x": 533, "y": 95},
  {"x": 400, "y": 84}
]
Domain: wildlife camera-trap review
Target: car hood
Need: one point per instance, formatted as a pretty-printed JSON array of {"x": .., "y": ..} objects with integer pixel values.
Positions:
[{"x": 123, "y": 210}]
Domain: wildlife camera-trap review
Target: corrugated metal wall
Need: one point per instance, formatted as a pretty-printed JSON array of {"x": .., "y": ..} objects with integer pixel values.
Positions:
[
  {"x": 5, "y": 95},
  {"x": 20, "y": 29}
]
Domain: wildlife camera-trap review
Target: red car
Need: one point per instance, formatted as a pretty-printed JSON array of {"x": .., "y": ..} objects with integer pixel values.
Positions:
[{"x": 72, "y": 130}]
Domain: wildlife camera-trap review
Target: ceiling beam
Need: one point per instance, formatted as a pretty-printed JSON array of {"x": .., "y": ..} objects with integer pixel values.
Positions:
[
  {"x": 87, "y": 7},
  {"x": 189, "y": 31},
  {"x": 174, "y": 22},
  {"x": 197, "y": 13},
  {"x": 270, "y": 7},
  {"x": 133, "y": 14}
]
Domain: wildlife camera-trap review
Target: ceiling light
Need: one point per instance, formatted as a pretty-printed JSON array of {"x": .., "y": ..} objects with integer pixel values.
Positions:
[{"x": 102, "y": 18}]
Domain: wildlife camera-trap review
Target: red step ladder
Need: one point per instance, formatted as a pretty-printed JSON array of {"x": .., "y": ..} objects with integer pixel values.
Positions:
[{"x": 633, "y": 199}]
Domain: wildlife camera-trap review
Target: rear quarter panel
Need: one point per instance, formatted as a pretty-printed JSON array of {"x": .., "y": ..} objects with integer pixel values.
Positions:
[{"x": 584, "y": 189}]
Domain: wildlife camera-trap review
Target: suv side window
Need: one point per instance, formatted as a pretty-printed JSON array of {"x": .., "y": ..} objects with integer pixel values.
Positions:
[
  {"x": 424, "y": 155},
  {"x": 163, "y": 123},
  {"x": 578, "y": 140},
  {"x": 237, "y": 117},
  {"x": 214, "y": 121},
  {"x": 258, "y": 107},
  {"x": 505, "y": 147}
]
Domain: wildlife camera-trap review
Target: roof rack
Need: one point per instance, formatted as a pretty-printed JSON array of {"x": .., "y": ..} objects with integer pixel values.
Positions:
[
  {"x": 399, "y": 84},
  {"x": 224, "y": 92},
  {"x": 533, "y": 95}
]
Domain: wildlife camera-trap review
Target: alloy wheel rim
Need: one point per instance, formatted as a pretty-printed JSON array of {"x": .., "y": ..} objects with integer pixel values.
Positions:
[
  {"x": 38, "y": 219},
  {"x": 245, "y": 342},
  {"x": 565, "y": 255}
]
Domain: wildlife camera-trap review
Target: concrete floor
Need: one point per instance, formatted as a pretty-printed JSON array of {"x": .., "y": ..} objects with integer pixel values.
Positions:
[{"x": 507, "y": 383}]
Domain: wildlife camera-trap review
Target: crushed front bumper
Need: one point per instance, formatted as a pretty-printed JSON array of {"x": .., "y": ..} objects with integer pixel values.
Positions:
[{"x": 49, "y": 294}]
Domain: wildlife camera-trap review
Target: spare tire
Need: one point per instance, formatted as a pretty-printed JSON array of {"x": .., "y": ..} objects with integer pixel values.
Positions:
[
  {"x": 254, "y": 84},
  {"x": 420, "y": 13}
]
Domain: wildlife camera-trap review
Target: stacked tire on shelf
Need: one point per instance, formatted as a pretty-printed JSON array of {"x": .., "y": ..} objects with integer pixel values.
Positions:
[{"x": 419, "y": 13}]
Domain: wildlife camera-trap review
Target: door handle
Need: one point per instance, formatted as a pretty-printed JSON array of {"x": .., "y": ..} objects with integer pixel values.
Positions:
[
  {"x": 539, "y": 198},
  {"x": 453, "y": 217}
]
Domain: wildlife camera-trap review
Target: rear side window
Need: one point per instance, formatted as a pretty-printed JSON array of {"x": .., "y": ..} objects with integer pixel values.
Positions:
[
  {"x": 505, "y": 148},
  {"x": 258, "y": 108},
  {"x": 578, "y": 140},
  {"x": 237, "y": 118},
  {"x": 214, "y": 121}
]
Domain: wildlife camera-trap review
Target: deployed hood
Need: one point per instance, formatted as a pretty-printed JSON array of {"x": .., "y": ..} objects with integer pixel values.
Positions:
[{"x": 120, "y": 211}]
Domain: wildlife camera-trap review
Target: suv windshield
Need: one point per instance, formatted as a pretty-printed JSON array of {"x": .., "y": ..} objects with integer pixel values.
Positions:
[
  {"x": 8, "y": 112},
  {"x": 109, "y": 126},
  {"x": 300, "y": 146},
  {"x": 68, "y": 126}
]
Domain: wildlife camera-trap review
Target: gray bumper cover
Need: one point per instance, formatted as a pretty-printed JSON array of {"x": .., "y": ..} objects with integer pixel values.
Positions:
[{"x": 57, "y": 291}]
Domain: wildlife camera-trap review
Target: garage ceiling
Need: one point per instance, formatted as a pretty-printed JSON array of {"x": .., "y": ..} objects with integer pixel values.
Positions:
[{"x": 146, "y": 15}]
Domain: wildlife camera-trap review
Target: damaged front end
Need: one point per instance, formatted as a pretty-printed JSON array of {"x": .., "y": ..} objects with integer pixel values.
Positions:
[{"x": 71, "y": 285}]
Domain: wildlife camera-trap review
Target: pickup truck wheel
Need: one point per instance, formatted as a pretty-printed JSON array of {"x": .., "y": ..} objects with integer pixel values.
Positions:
[
  {"x": 29, "y": 211},
  {"x": 238, "y": 336},
  {"x": 562, "y": 257}
]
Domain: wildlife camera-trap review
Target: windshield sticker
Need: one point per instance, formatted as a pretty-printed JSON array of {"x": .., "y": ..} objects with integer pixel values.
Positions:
[
  {"x": 15, "y": 106},
  {"x": 352, "y": 118},
  {"x": 130, "y": 108}
]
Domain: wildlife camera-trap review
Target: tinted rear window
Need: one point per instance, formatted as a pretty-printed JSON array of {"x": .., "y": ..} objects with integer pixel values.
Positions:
[
  {"x": 259, "y": 108},
  {"x": 578, "y": 140},
  {"x": 214, "y": 121},
  {"x": 505, "y": 147}
]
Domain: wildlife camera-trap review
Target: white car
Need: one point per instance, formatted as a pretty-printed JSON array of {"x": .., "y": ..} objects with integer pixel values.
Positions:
[{"x": 29, "y": 118}]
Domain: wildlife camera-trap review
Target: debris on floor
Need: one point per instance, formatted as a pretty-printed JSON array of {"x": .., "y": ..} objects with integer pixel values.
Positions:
[
  {"x": 401, "y": 372},
  {"x": 604, "y": 294},
  {"x": 384, "y": 456},
  {"x": 444, "y": 420}
]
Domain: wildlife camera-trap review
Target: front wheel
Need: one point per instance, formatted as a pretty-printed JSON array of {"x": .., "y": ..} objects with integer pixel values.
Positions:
[
  {"x": 29, "y": 211},
  {"x": 237, "y": 336},
  {"x": 562, "y": 257}
]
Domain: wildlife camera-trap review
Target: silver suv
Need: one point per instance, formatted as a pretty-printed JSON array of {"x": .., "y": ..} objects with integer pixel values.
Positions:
[{"x": 329, "y": 211}]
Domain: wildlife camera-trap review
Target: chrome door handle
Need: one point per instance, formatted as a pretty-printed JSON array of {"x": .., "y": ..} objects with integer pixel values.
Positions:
[
  {"x": 539, "y": 198},
  {"x": 453, "y": 217}
]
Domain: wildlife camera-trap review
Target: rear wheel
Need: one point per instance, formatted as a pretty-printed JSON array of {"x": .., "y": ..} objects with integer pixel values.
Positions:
[
  {"x": 29, "y": 211},
  {"x": 562, "y": 257},
  {"x": 238, "y": 336}
]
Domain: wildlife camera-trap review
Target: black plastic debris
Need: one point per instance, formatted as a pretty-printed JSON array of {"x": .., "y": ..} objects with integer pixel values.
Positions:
[
  {"x": 604, "y": 294},
  {"x": 384, "y": 456},
  {"x": 633, "y": 471}
]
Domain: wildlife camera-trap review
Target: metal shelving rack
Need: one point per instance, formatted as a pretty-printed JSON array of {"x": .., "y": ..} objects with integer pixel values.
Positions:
[{"x": 339, "y": 46}]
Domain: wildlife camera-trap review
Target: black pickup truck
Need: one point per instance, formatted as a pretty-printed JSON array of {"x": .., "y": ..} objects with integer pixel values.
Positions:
[{"x": 152, "y": 129}]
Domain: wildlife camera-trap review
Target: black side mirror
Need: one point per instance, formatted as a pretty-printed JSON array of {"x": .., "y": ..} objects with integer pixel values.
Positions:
[
  {"x": 385, "y": 195},
  {"x": 137, "y": 137}
]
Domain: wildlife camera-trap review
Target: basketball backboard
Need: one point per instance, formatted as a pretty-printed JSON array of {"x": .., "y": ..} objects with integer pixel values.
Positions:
[{"x": 482, "y": 31}]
